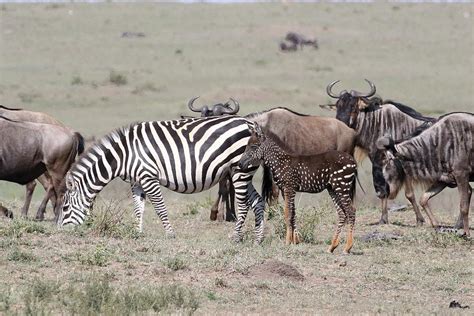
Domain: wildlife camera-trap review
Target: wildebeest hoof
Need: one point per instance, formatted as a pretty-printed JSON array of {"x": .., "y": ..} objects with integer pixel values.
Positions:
[{"x": 383, "y": 221}]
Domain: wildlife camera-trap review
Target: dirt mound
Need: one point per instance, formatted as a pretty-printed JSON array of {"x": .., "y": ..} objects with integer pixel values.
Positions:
[{"x": 273, "y": 269}]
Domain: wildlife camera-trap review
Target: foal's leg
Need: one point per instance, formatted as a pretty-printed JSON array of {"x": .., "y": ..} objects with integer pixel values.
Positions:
[
  {"x": 294, "y": 235},
  {"x": 341, "y": 220},
  {"x": 138, "y": 196},
  {"x": 152, "y": 189},
  {"x": 30, "y": 188}
]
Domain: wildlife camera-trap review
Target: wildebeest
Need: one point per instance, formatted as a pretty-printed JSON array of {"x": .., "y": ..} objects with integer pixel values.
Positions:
[
  {"x": 28, "y": 150},
  {"x": 333, "y": 170},
  {"x": 303, "y": 135},
  {"x": 226, "y": 193},
  {"x": 288, "y": 48},
  {"x": 441, "y": 156},
  {"x": 216, "y": 109},
  {"x": 300, "y": 40},
  {"x": 372, "y": 118}
]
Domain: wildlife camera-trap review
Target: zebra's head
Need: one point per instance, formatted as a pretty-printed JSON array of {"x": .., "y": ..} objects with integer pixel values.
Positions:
[
  {"x": 253, "y": 153},
  {"x": 74, "y": 207}
]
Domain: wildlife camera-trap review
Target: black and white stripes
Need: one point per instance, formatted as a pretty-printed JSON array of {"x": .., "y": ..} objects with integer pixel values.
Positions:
[{"x": 186, "y": 156}]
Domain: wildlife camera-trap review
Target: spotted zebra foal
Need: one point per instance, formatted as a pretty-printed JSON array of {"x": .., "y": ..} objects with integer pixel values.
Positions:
[{"x": 335, "y": 171}]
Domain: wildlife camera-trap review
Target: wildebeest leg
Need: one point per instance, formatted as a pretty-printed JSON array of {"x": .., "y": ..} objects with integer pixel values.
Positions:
[
  {"x": 138, "y": 196},
  {"x": 341, "y": 220},
  {"x": 432, "y": 191},
  {"x": 384, "y": 217},
  {"x": 30, "y": 188},
  {"x": 465, "y": 192},
  {"x": 230, "y": 206},
  {"x": 410, "y": 195},
  {"x": 215, "y": 208},
  {"x": 6, "y": 212},
  {"x": 46, "y": 181}
]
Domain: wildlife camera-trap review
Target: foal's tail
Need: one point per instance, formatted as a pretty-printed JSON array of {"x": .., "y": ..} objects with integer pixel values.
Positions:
[
  {"x": 267, "y": 186},
  {"x": 353, "y": 186}
]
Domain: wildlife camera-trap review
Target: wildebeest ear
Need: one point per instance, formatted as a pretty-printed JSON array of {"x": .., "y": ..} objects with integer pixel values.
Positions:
[
  {"x": 361, "y": 104},
  {"x": 384, "y": 143},
  {"x": 70, "y": 183}
]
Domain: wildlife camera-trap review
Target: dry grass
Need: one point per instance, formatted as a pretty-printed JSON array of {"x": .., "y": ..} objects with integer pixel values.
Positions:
[{"x": 77, "y": 271}]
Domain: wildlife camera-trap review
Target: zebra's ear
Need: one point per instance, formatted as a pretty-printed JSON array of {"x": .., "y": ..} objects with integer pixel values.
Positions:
[{"x": 70, "y": 183}]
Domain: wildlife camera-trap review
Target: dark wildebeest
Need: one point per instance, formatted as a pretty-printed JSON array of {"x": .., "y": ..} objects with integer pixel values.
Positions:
[
  {"x": 372, "y": 119},
  {"x": 226, "y": 191},
  {"x": 300, "y": 40},
  {"x": 333, "y": 170},
  {"x": 303, "y": 135},
  {"x": 38, "y": 117},
  {"x": 29, "y": 149},
  {"x": 441, "y": 156}
]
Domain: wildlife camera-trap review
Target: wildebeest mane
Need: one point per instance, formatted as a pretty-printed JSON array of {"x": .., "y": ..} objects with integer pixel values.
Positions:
[
  {"x": 252, "y": 115},
  {"x": 376, "y": 104}
]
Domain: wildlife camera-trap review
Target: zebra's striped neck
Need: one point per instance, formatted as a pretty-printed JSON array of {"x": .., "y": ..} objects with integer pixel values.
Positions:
[{"x": 100, "y": 164}]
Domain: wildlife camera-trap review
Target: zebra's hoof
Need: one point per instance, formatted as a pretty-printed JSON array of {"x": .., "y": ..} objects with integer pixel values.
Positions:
[{"x": 237, "y": 238}]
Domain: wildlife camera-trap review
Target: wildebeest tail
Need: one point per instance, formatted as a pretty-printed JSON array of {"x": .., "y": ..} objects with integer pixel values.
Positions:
[
  {"x": 80, "y": 143},
  {"x": 267, "y": 185}
]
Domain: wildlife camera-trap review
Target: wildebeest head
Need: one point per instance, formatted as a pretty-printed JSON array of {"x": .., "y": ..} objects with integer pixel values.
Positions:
[
  {"x": 253, "y": 153},
  {"x": 216, "y": 109},
  {"x": 392, "y": 167},
  {"x": 349, "y": 104}
]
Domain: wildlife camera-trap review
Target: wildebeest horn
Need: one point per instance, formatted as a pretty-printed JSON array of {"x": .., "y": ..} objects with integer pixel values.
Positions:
[
  {"x": 361, "y": 95},
  {"x": 190, "y": 105},
  {"x": 329, "y": 90},
  {"x": 229, "y": 109}
]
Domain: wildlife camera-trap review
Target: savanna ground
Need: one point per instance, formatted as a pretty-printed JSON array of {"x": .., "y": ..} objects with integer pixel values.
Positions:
[{"x": 71, "y": 62}]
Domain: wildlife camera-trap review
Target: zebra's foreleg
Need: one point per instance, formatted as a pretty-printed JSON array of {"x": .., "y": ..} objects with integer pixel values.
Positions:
[
  {"x": 152, "y": 189},
  {"x": 138, "y": 196}
]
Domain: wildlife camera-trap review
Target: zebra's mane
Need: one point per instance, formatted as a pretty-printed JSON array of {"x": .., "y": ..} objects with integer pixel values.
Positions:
[
  {"x": 255, "y": 114},
  {"x": 104, "y": 142},
  {"x": 10, "y": 109}
]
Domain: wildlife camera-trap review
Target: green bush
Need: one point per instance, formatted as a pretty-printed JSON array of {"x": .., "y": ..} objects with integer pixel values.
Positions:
[
  {"x": 175, "y": 263},
  {"x": 117, "y": 78},
  {"x": 19, "y": 256},
  {"x": 98, "y": 257}
]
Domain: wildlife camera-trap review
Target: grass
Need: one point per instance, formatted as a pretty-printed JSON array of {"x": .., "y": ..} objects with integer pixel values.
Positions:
[{"x": 97, "y": 83}]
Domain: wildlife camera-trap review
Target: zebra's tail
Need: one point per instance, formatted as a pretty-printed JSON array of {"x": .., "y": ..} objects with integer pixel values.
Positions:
[{"x": 267, "y": 186}]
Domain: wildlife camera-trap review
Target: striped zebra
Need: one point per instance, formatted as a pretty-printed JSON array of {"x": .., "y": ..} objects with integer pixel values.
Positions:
[{"x": 186, "y": 156}]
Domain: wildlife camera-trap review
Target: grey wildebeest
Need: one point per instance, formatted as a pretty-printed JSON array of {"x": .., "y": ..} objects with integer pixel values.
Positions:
[
  {"x": 303, "y": 135},
  {"x": 30, "y": 149},
  {"x": 43, "y": 118},
  {"x": 373, "y": 118},
  {"x": 333, "y": 170},
  {"x": 300, "y": 40},
  {"x": 439, "y": 157},
  {"x": 226, "y": 193}
]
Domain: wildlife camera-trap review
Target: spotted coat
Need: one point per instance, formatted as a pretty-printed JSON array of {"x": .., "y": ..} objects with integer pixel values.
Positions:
[{"x": 333, "y": 171}]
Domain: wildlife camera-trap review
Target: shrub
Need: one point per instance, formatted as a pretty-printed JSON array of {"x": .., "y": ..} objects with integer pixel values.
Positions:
[
  {"x": 76, "y": 80},
  {"x": 98, "y": 257},
  {"x": 175, "y": 263},
  {"x": 19, "y": 227},
  {"x": 117, "y": 78}
]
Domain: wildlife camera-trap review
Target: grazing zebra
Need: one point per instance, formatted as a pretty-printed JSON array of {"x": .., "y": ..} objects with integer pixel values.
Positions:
[
  {"x": 334, "y": 170},
  {"x": 185, "y": 156}
]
